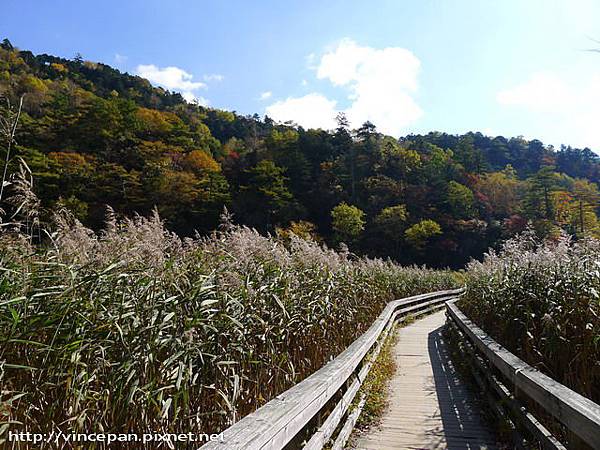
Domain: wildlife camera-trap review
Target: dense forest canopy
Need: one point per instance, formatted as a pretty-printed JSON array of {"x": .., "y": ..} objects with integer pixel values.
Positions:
[{"x": 93, "y": 136}]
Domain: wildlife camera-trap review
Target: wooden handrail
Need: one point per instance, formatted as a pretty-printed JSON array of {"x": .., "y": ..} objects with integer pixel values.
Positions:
[
  {"x": 275, "y": 424},
  {"x": 578, "y": 413}
]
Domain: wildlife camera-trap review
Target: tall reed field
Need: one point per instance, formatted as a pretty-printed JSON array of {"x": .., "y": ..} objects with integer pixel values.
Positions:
[
  {"x": 135, "y": 329},
  {"x": 541, "y": 300}
]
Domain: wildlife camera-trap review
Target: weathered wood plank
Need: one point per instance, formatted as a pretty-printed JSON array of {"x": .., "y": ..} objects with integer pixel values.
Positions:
[
  {"x": 429, "y": 406},
  {"x": 346, "y": 431},
  {"x": 326, "y": 430},
  {"x": 579, "y": 414}
]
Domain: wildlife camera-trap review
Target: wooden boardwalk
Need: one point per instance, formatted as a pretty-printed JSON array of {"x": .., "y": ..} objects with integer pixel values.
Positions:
[{"x": 430, "y": 408}]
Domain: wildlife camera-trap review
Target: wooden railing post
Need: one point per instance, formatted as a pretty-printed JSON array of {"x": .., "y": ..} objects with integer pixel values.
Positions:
[
  {"x": 578, "y": 414},
  {"x": 334, "y": 386}
]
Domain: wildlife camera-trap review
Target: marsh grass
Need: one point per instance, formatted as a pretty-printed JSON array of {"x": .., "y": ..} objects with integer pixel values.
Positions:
[
  {"x": 541, "y": 301},
  {"x": 135, "y": 329}
]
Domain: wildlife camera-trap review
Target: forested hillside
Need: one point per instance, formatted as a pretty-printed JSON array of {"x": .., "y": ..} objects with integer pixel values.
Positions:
[{"x": 93, "y": 136}]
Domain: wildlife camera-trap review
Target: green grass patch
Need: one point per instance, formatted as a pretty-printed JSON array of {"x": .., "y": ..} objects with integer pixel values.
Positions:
[{"x": 376, "y": 386}]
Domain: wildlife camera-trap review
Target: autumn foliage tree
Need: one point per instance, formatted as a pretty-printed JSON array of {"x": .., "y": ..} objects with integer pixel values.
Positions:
[{"x": 93, "y": 136}]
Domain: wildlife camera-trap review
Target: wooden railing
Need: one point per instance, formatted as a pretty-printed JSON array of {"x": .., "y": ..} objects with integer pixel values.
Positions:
[
  {"x": 311, "y": 413},
  {"x": 508, "y": 381}
]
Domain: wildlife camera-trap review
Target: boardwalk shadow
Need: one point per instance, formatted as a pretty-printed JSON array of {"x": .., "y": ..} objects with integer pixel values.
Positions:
[{"x": 462, "y": 426}]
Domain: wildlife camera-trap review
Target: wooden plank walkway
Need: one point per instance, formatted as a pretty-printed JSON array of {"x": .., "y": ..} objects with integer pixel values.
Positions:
[{"x": 430, "y": 408}]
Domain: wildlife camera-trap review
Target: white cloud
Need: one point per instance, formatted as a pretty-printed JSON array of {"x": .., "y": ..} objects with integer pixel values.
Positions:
[
  {"x": 488, "y": 131},
  {"x": 304, "y": 83},
  {"x": 213, "y": 77},
  {"x": 202, "y": 101},
  {"x": 380, "y": 84},
  {"x": 120, "y": 59},
  {"x": 543, "y": 91},
  {"x": 174, "y": 79},
  {"x": 310, "y": 111},
  {"x": 265, "y": 95},
  {"x": 569, "y": 111}
]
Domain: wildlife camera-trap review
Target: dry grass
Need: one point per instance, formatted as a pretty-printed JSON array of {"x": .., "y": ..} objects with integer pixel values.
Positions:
[
  {"x": 541, "y": 301},
  {"x": 136, "y": 330}
]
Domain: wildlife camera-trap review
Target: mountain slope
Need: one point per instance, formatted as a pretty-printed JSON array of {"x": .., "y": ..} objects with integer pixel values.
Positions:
[{"x": 95, "y": 136}]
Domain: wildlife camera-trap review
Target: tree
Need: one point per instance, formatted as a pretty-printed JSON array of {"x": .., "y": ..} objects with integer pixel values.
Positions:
[
  {"x": 105, "y": 125},
  {"x": 347, "y": 221},
  {"x": 6, "y": 45},
  {"x": 342, "y": 121},
  {"x": 381, "y": 192},
  {"x": 283, "y": 148},
  {"x": 467, "y": 155},
  {"x": 152, "y": 123},
  {"x": 74, "y": 170},
  {"x": 182, "y": 186},
  {"x": 198, "y": 161},
  {"x": 563, "y": 207},
  {"x": 302, "y": 229},
  {"x": 418, "y": 234},
  {"x": 392, "y": 221},
  {"x": 575, "y": 210},
  {"x": 539, "y": 195},
  {"x": 501, "y": 191},
  {"x": 346, "y": 151},
  {"x": 92, "y": 135},
  {"x": 264, "y": 199},
  {"x": 214, "y": 194},
  {"x": 9, "y": 121},
  {"x": 460, "y": 199},
  {"x": 587, "y": 196},
  {"x": 438, "y": 165},
  {"x": 397, "y": 161}
]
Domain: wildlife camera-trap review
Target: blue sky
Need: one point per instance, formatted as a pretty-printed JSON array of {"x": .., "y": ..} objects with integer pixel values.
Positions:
[{"x": 508, "y": 67}]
